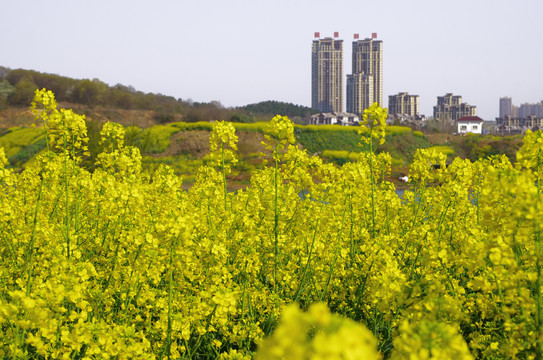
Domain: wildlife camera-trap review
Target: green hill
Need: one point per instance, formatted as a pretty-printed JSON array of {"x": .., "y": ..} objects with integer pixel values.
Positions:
[
  {"x": 17, "y": 89},
  {"x": 277, "y": 107}
]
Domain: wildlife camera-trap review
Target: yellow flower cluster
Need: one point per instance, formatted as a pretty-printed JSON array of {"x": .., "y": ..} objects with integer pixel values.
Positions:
[
  {"x": 281, "y": 129},
  {"x": 66, "y": 130},
  {"x": 373, "y": 124},
  {"x": 530, "y": 155},
  {"x": 223, "y": 145},
  {"x": 317, "y": 334},
  {"x": 278, "y": 132},
  {"x": 117, "y": 263},
  {"x": 428, "y": 165},
  {"x": 429, "y": 340},
  {"x": 124, "y": 161},
  {"x": 7, "y": 178},
  {"x": 223, "y": 134}
]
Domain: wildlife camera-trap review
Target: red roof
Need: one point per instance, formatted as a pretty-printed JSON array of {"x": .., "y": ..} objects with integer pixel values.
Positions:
[{"x": 470, "y": 118}]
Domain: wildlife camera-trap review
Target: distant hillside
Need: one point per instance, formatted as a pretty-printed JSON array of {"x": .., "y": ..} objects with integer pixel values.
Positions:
[
  {"x": 17, "y": 87},
  {"x": 277, "y": 107}
]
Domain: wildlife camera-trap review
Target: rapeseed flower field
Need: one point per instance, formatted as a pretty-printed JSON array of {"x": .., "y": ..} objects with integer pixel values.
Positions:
[{"x": 311, "y": 261}]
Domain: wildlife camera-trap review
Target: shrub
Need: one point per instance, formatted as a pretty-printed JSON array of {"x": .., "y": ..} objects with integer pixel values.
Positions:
[
  {"x": 418, "y": 133},
  {"x": 443, "y": 149},
  {"x": 397, "y": 130},
  {"x": 155, "y": 139}
]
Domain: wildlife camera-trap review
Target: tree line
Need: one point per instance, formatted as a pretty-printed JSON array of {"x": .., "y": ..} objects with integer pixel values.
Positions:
[{"x": 278, "y": 107}]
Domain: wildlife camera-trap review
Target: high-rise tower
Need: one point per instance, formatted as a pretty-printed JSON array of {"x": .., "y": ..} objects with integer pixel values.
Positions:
[
  {"x": 327, "y": 74},
  {"x": 365, "y": 85},
  {"x": 506, "y": 107}
]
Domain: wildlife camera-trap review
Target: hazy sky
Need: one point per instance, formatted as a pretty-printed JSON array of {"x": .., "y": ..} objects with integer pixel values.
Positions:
[{"x": 241, "y": 52}]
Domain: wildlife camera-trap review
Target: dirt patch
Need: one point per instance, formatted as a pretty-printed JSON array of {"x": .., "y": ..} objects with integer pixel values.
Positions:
[
  {"x": 143, "y": 118},
  {"x": 196, "y": 143},
  {"x": 442, "y": 139},
  {"x": 16, "y": 117},
  {"x": 250, "y": 143}
]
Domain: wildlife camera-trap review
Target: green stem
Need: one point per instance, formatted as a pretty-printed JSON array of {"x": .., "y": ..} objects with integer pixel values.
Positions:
[
  {"x": 198, "y": 342},
  {"x": 538, "y": 320},
  {"x": 127, "y": 292},
  {"x": 32, "y": 240},
  {"x": 302, "y": 280},
  {"x": 442, "y": 219},
  {"x": 223, "y": 174},
  {"x": 538, "y": 172},
  {"x": 412, "y": 270},
  {"x": 121, "y": 222},
  {"x": 478, "y": 195},
  {"x": 46, "y": 132},
  {"x": 336, "y": 253},
  {"x": 276, "y": 222},
  {"x": 351, "y": 232},
  {"x": 372, "y": 187},
  {"x": 170, "y": 288},
  {"x": 418, "y": 202},
  {"x": 67, "y": 199}
]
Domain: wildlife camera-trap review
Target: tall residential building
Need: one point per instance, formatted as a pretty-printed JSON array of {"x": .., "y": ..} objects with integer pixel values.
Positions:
[
  {"x": 327, "y": 74},
  {"x": 359, "y": 92},
  {"x": 527, "y": 109},
  {"x": 365, "y": 85},
  {"x": 517, "y": 119},
  {"x": 403, "y": 105},
  {"x": 506, "y": 107},
  {"x": 524, "y": 110},
  {"x": 450, "y": 107}
]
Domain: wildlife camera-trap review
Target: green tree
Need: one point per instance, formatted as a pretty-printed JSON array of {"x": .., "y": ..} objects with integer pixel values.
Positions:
[
  {"x": 240, "y": 117},
  {"x": 4, "y": 72},
  {"x": 24, "y": 93},
  {"x": 90, "y": 93},
  {"x": 6, "y": 90},
  {"x": 14, "y": 76}
]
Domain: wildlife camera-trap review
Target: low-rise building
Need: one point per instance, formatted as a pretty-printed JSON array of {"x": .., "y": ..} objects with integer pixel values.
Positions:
[
  {"x": 517, "y": 125},
  {"x": 334, "y": 118},
  {"x": 470, "y": 124}
]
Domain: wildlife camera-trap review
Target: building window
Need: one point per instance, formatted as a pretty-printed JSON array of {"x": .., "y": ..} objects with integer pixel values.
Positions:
[
  {"x": 463, "y": 127},
  {"x": 474, "y": 127}
]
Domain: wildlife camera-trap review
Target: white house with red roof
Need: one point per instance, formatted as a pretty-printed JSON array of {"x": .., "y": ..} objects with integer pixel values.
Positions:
[{"x": 470, "y": 124}]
